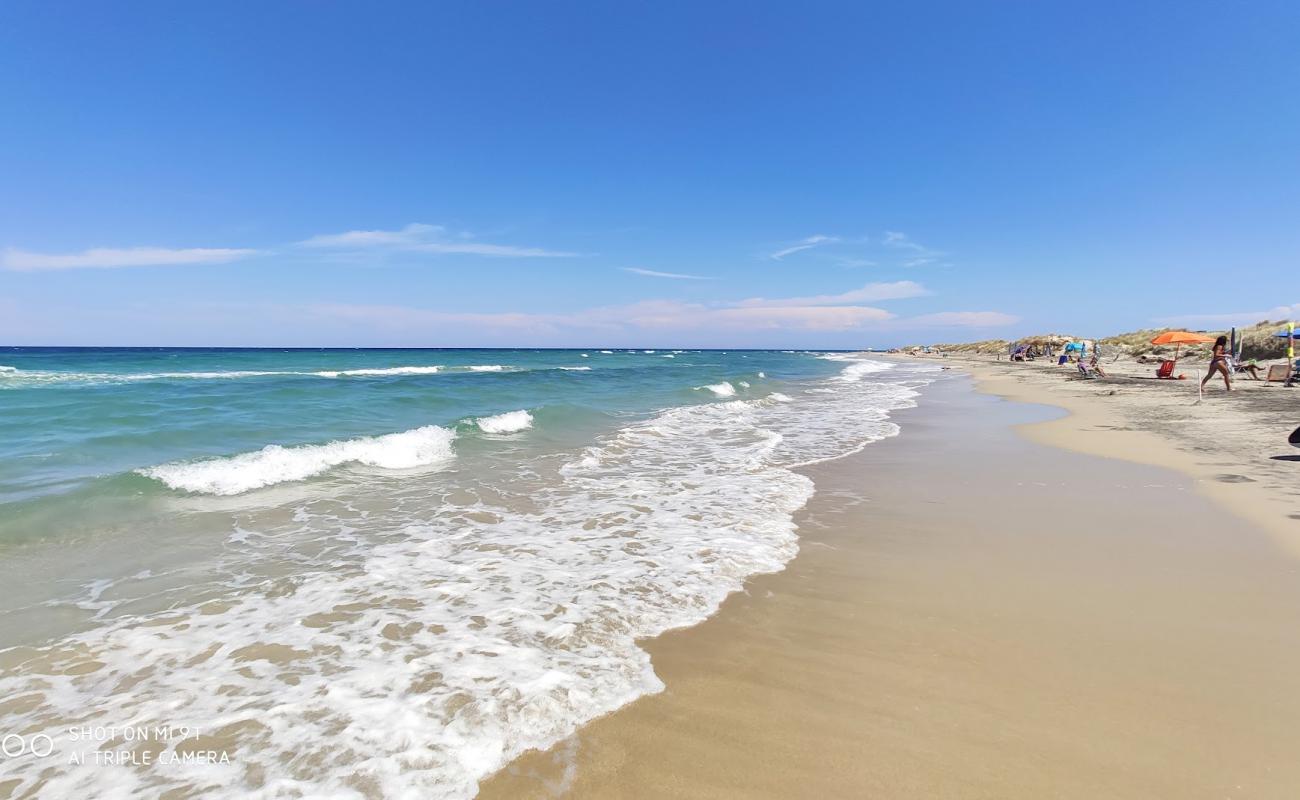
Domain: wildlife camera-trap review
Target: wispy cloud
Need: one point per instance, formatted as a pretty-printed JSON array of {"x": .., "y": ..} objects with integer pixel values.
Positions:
[
  {"x": 648, "y": 315},
  {"x": 109, "y": 258},
  {"x": 803, "y": 244},
  {"x": 963, "y": 319},
  {"x": 1239, "y": 318},
  {"x": 891, "y": 248},
  {"x": 651, "y": 273},
  {"x": 871, "y": 293},
  {"x": 421, "y": 238},
  {"x": 920, "y": 254},
  {"x": 823, "y": 313}
]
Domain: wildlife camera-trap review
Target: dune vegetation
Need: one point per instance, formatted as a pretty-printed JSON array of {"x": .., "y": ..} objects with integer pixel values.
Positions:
[{"x": 1258, "y": 342}]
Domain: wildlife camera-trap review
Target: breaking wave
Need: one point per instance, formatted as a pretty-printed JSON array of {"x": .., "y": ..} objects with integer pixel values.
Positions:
[
  {"x": 421, "y": 447},
  {"x": 509, "y": 422}
]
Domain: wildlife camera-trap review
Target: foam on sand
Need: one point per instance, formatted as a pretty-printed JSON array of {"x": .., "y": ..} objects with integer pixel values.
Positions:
[
  {"x": 509, "y": 422},
  {"x": 421, "y": 447}
]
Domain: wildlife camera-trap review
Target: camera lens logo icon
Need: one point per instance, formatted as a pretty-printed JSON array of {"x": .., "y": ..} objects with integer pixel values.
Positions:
[{"x": 39, "y": 745}]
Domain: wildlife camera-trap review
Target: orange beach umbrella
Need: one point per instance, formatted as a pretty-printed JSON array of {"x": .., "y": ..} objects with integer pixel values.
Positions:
[{"x": 1180, "y": 338}]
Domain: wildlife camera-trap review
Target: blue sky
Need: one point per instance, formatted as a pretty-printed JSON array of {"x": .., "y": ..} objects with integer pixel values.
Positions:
[{"x": 669, "y": 174}]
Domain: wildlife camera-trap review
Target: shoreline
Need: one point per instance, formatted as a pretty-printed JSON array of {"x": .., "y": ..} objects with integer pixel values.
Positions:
[
  {"x": 1231, "y": 470},
  {"x": 962, "y": 624}
]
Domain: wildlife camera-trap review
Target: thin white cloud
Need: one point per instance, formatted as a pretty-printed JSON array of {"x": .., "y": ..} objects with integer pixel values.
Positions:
[
  {"x": 659, "y": 315},
  {"x": 963, "y": 319},
  {"x": 921, "y": 255},
  {"x": 821, "y": 313},
  {"x": 110, "y": 258},
  {"x": 482, "y": 249},
  {"x": 1238, "y": 319},
  {"x": 411, "y": 234},
  {"x": 420, "y": 238},
  {"x": 900, "y": 241},
  {"x": 871, "y": 293},
  {"x": 803, "y": 244},
  {"x": 651, "y": 273}
]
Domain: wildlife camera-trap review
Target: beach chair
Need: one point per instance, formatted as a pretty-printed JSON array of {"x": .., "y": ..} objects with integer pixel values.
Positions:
[
  {"x": 1166, "y": 369},
  {"x": 1238, "y": 368},
  {"x": 1277, "y": 373}
]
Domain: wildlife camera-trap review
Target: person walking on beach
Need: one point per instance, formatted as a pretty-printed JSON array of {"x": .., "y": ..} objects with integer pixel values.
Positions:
[{"x": 1219, "y": 363}]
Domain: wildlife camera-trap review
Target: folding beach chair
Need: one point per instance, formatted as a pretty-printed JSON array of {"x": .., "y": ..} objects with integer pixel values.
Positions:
[{"x": 1166, "y": 369}]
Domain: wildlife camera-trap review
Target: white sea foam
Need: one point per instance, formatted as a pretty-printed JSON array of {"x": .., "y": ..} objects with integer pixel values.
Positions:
[
  {"x": 487, "y": 368},
  {"x": 379, "y": 372},
  {"x": 509, "y": 422},
  {"x": 584, "y": 355},
  {"x": 724, "y": 389},
  {"x": 417, "y": 644},
  {"x": 669, "y": 355},
  {"x": 5, "y": 370},
  {"x": 274, "y": 464},
  {"x": 607, "y": 352},
  {"x": 39, "y": 377},
  {"x": 576, "y": 369}
]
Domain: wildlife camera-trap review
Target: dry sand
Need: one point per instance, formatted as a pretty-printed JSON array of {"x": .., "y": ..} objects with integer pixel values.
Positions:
[{"x": 974, "y": 614}]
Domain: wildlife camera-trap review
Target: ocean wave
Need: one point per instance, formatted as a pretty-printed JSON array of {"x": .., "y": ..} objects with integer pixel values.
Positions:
[
  {"x": 857, "y": 370},
  {"x": 724, "y": 389},
  {"x": 422, "y": 644},
  {"x": 420, "y": 447},
  {"x": 11, "y": 377},
  {"x": 509, "y": 422},
  {"x": 378, "y": 371}
]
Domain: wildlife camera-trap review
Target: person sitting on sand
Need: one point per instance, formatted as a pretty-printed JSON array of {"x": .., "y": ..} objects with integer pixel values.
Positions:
[
  {"x": 1096, "y": 367},
  {"x": 1249, "y": 367},
  {"x": 1219, "y": 363}
]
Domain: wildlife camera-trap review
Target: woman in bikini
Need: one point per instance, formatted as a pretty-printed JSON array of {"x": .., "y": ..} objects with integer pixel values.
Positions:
[{"x": 1219, "y": 363}]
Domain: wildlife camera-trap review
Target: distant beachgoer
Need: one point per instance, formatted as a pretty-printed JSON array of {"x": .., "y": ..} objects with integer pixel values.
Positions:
[
  {"x": 1219, "y": 363},
  {"x": 1096, "y": 367},
  {"x": 1248, "y": 367}
]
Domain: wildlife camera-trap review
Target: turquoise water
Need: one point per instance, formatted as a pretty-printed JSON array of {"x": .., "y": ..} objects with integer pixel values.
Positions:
[
  {"x": 370, "y": 573},
  {"x": 79, "y": 418}
]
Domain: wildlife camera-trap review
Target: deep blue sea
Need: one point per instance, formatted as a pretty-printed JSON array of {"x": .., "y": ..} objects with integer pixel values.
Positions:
[{"x": 433, "y": 560}]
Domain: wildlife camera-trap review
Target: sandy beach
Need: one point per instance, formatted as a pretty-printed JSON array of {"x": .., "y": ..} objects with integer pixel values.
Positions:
[
  {"x": 1003, "y": 601},
  {"x": 1231, "y": 444}
]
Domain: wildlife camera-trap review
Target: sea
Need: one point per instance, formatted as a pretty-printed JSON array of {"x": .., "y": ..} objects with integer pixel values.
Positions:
[{"x": 379, "y": 573}]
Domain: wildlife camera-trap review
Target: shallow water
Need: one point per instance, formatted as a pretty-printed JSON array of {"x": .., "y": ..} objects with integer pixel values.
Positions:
[{"x": 381, "y": 573}]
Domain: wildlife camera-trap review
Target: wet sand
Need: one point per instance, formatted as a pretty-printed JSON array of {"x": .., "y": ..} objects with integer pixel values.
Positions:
[
  {"x": 1233, "y": 445},
  {"x": 974, "y": 614}
]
